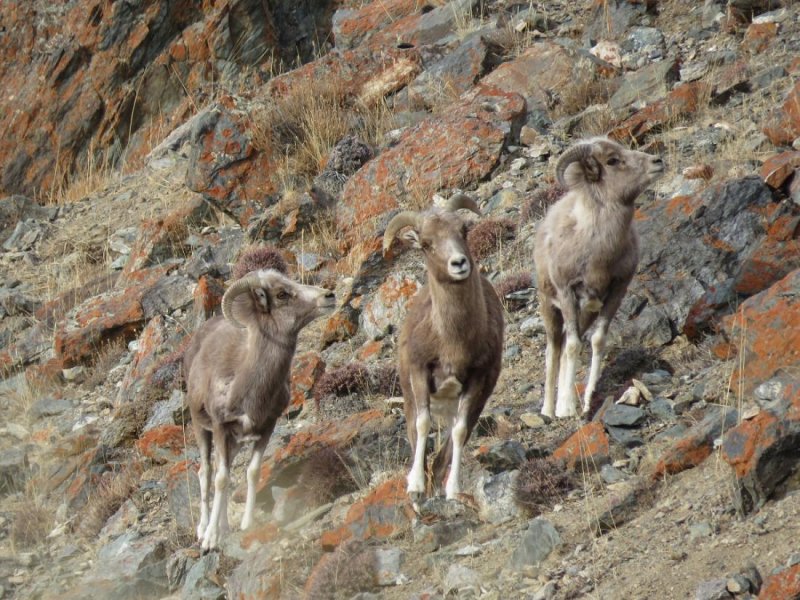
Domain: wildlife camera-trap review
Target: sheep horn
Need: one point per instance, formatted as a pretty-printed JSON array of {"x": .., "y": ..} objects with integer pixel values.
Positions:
[
  {"x": 461, "y": 200},
  {"x": 237, "y": 288},
  {"x": 402, "y": 219},
  {"x": 576, "y": 153}
]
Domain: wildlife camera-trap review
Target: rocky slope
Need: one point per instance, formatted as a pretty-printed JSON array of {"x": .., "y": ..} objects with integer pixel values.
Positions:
[{"x": 152, "y": 151}]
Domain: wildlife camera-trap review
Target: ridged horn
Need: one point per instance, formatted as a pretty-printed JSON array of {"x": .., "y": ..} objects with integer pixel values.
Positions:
[
  {"x": 402, "y": 219},
  {"x": 576, "y": 153},
  {"x": 461, "y": 200},
  {"x": 237, "y": 287}
]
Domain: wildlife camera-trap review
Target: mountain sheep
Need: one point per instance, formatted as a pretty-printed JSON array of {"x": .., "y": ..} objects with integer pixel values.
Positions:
[
  {"x": 450, "y": 345},
  {"x": 237, "y": 381},
  {"x": 586, "y": 252}
]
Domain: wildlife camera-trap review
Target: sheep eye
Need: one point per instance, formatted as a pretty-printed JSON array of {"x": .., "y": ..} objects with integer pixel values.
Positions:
[
  {"x": 426, "y": 245},
  {"x": 612, "y": 161},
  {"x": 283, "y": 295}
]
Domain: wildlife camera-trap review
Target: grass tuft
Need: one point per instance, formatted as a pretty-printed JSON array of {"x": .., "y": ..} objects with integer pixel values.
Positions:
[
  {"x": 513, "y": 283},
  {"x": 541, "y": 483},
  {"x": 325, "y": 476},
  {"x": 487, "y": 236}
]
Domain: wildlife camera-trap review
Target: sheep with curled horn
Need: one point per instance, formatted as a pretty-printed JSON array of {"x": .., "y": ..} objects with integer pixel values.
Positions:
[
  {"x": 237, "y": 380},
  {"x": 451, "y": 341},
  {"x": 586, "y": 252}
]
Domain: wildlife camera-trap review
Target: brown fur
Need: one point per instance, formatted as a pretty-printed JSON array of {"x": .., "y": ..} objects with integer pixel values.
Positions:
[{"x": 452, "y": 328}]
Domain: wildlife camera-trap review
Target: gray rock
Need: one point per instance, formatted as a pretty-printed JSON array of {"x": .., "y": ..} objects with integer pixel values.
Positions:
[
  {"x": 178, "y": 565},
  {"x": 169, "y": 294},
  {"x": 532, "y": 326},
  {"x": 622, "y": 415},
  {"x": 656, "y": 378},
  {"x": 648, "y": 84},
  {"x": 164, "y": 412},
  {"x": 661, "y": 408},
  {"x": 460, "y": 577},
  {"x": 611, "y": 474},
  {"x": 389, "y": 564},
  {"x": 625, "y": 437},
  {"x": 25, "y": 235},
  {"x": 14, "y": 470},
  {"x": 700, "y": 530},
  {"x": 538, "y": 541},
  {"x": 546, "y": 592},
  {"x": 495, "y": 497},
  {"x": 183, "y": 493},
  {"x": 50, "y": 407},
  {"x": 198, "y": 583},
  {"x": 716, "y": 589},
  {"x": 504, "y": 456},
  {"x": 432, "y": 537}
]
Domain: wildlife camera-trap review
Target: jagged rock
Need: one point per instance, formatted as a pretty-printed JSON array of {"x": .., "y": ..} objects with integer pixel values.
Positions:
[
  {"x": 586, "y": 449},
  {"x": 537, "y": 543},
  {"x": 625, "y": 437},
  {"x": 351, "y": 27},
  {"x": 622, "y": 415},
  {"x": 389, "y": 566},
  {"x": 387, "y": 307},
  {"x": 715, "y": 589},
  {"x": 49, "y": 407},
  {"x": 25, "y": 235},
  {"x": 505, "y": 456},
  {"x": 763, "y": 450},
  {"x": 14, "y": 470},
  {"x": 697, "y": 443},
  {"x": 460, "y": 577},
  {"x": 200, "y": 579},
  {"x": 771, "y": 315},
  {"x": 495, "y": 497},
  {"x": 646, "y": 85}
]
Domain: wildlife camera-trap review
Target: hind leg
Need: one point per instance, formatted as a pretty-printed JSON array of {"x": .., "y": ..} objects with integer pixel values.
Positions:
[
  {"x": 567, "y": 399},
  {"x": 554, "y": 330},
  {"x": 203, "y": 437},
  {"x": 422, "y": 425}
]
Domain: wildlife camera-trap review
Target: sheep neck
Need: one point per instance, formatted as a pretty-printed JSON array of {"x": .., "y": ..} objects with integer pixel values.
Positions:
[
  {"x": 458, "y": 313},
  {"x": 607, "y": 223},
  {"x": 266, "y": 362}
]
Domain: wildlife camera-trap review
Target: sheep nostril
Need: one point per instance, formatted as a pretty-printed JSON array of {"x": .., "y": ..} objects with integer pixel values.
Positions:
[
  {"x": 330, "y": 295},
  {"x": 458, "y": 263}
]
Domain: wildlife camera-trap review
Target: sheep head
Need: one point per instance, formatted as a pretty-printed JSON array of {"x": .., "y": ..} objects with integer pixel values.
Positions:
[
  {"x": 609, "y": 169},
  {"x": 267, "y": 294},
  {"x": 441, "y": 235}
]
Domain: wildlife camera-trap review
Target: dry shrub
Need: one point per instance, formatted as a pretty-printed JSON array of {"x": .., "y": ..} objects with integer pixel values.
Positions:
[
  {"x": 385, "y": 381},
  {"x": 31, "y": 524},
  {"x": 581, "y": 93},
  {"x": 347, "y": 571},
  {"x": 513, "y": 283},
  {"x": 349, "y": 379},
  {"x": 259, "y": 257},
  {"x": 486, "y": 236},
  {"x": 106, "y": 359},
  {"x": 541, "y": 483},
  {"x": 325, "y": 476},
  {"x": 300, "y": 127},
  {"x": 536, "y": 204},
  {"x": 109, "y": 494}
]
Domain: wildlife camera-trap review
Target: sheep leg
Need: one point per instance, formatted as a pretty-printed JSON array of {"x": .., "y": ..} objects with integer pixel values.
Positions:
[
  {"x": 458, "y": 437},
  {"x": 253, "y": 473},
  {"x": 203, "y": 437},
  {"x": 598, "y": 351},
  {"x": 416, "y": 477},
  {"x": 223, "y": 458},
  {"x": 567, "y": 401},
  {"x": 554, "y": 331}
]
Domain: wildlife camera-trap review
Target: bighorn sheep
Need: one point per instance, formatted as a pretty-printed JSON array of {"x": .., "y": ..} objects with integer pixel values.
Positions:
[
  {"x": 450, "y": 346},
  {"x": 586, "y": 252},
  {"x": 237, "y": 373}
]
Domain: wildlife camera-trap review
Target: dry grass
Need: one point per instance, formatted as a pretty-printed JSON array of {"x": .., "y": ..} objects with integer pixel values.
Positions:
[
  {"x": 326, "y": 475},
  {"x": 92, "y": 173},
  {"x": 31, "y": 523},
  {"x": 347, "y": 571},
  {"x": 106, "y": 358},
  {"x": 300, "y": 128},
  {"x": 513, "y": 283},
  {"x": 581, "y": 93},
  {"x": 109, "y": 494}
]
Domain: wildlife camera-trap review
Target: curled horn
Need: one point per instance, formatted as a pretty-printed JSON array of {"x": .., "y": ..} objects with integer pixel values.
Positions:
[
  {"x": 461, "y": 200},
  {"x": 237, "y": 288},
  {"x": 576, "y": 153},
  {"x": 402, "y": 219}
]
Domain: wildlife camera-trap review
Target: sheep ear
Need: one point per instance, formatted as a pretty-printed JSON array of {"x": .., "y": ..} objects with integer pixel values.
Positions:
[
  {"x": 411, "y": 236},
  {"x": 591, "y": 168}
]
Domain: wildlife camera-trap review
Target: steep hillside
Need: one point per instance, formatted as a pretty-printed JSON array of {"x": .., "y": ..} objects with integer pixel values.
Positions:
[{"x": 155, "y": 152}]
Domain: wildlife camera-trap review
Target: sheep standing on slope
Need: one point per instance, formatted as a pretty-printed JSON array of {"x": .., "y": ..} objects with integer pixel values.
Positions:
[
  {"x": 586, "y": 254},
  {"x": 237, "y": 381},
  {"x": 451, "y": 342}
]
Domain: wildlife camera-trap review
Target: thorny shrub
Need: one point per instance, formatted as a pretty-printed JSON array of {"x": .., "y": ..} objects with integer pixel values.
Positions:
[
  {"x": 540, "y": 484},
  {"x": 349, "y": 570},
  {"x": 325, "y": 476},
  {"x": 513, "y": 283},
  {"x": 259, "y": 257},
  {"x": 486, "y": 236},
  {"x": 536, "y": 204}
]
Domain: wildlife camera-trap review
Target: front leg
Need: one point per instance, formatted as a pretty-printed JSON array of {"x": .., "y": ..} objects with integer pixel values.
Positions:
[
  {"x": 421, "y": 400},
  {"x": 567, "y": 401},
  {"x": 225, "y": 448},
  {"x": 254, "y": 472},
  {"x": 458, "y": 437}
]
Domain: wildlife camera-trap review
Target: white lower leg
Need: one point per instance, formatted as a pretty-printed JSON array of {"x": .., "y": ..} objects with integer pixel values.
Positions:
[
  {"x": 203, "y": 476},
  {"x": 458, "y": 436},
  {"x": 598, "y": 350},
  {"x": 253, "y": 473},
  {"x": 567, "y": 403},
  {"x": 416, "y": 477},
  {"x": 212, "y": 534},
  {"x": 551, "y": 361}
]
